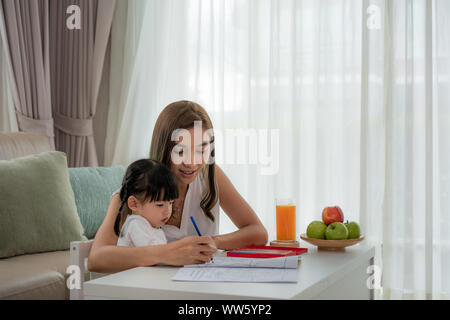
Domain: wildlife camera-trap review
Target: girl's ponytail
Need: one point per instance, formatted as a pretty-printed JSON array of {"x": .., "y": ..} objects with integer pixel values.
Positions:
[
  {"x": 119, "y": 219},
  {"x": 123, "y": 209}
]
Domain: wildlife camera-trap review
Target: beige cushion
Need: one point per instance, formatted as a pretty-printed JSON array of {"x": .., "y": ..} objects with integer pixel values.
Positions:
[
  {"x": 19, "y": 144},
  {"x": 35, "y": 276}
]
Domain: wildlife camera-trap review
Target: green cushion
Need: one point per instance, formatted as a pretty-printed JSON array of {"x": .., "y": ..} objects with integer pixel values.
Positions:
[
  {"x": 93, "y": 188},
  {"x": 37, "y": 205}
]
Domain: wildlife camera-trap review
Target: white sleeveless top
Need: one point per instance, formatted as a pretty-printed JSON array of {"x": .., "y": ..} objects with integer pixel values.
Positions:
[{"x": 192, "y": 208}]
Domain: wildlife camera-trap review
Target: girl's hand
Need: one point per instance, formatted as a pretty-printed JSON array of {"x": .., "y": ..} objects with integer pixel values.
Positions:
[{"x": 190, "y": 250}]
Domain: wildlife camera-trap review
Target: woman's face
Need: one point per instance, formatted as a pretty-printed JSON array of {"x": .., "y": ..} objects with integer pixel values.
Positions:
[{"x": 189, "y": 155}]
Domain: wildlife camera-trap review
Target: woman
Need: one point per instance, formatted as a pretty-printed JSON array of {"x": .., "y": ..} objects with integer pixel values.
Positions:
[{"x": 203, "y": 186}]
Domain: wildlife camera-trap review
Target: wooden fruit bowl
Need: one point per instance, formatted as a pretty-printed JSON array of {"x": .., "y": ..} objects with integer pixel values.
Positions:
[{"x": 331, "y": 245}]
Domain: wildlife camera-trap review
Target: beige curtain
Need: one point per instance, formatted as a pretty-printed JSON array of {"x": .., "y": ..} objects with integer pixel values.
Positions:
[
  {"x": 24, "y": 29},
  {"x": 77, "y": 58}
]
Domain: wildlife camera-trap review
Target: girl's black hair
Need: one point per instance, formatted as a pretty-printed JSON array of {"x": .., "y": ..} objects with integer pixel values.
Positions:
[{"x": 148, "y": 180}]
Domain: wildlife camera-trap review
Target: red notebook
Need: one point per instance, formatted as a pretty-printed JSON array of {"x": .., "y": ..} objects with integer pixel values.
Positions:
[{"x": 265, "y": 252}]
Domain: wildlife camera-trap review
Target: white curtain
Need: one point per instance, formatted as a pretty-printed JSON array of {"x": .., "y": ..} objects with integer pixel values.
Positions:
[
  {"x": 125, "y": 42},
  {"x": 8, "y": 120},
  {"x": 415, "y": 218},
  {"x": 345, "y": 102}
]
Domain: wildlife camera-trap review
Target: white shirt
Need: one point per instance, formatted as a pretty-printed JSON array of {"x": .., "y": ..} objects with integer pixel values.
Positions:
[
  {"x": 192, "y": 208},
  {"x": 137, "y": 232}
]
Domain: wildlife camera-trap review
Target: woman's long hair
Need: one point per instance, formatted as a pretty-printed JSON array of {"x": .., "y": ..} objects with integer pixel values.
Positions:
[{"x": 182, "y": 115}]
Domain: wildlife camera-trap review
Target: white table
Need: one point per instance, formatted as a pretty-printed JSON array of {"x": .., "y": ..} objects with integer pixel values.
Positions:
[{"x": 321, "y": 275}]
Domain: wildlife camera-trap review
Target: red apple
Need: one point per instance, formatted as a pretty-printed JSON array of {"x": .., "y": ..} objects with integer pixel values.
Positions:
[{"x": 332, "y": 214}]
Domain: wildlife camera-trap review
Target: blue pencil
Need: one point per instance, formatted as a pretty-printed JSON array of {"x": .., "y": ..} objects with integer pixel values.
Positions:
[
  {"x": 195, "y": 226},
  {"x": 198, "y": 232}
]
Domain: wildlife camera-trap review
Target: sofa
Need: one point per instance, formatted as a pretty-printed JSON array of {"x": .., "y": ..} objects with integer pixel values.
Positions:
[{"x": 42, "y": 275}]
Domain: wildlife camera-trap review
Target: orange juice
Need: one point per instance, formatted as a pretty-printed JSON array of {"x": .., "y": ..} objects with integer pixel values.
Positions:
[{"x": 285, "y": 222}]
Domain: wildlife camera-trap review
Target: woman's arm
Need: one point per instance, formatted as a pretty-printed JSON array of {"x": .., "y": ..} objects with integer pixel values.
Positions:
[
  {"x": 251, "y": 230},
  {"x": 105, "y": 256}
]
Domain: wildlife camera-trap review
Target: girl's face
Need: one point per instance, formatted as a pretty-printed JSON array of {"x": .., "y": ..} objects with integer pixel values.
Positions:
[
  {"x": 156, "y": 212},
  {"x": 189, "y": 156}
]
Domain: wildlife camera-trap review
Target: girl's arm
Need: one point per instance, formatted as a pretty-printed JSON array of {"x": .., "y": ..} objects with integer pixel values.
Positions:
[
  {"x": 251, "y": 230},
  {"x": 106, "y": 257}
]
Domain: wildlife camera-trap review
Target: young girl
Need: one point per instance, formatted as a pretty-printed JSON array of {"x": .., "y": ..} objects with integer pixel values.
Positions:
[{"x": 148, "y": 191}]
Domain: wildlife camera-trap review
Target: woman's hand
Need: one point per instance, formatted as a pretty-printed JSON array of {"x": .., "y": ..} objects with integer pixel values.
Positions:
[{"x": 190, "y": 250}]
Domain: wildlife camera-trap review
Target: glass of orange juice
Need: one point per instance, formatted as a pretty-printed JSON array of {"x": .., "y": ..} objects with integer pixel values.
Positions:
[{"x": 286, "y": 219}]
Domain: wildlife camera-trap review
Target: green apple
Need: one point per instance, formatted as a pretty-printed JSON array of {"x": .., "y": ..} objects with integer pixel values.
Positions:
[
  {"x": 354, "y": 232},
  {"x": 336, "y": 231},
  {"x": 316, "y": 230}
]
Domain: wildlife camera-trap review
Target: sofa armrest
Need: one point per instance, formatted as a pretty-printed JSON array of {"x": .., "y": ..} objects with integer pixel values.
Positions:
[
  {"x": 79, "y": 252},
  {"x": 19, "y": 144}
]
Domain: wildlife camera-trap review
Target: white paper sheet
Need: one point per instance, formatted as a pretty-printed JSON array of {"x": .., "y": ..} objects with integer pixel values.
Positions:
[
  {"x": 232, "y": 269},
  {"x": 236, "y": 275},
  {"x": 289, "y": 262}
]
